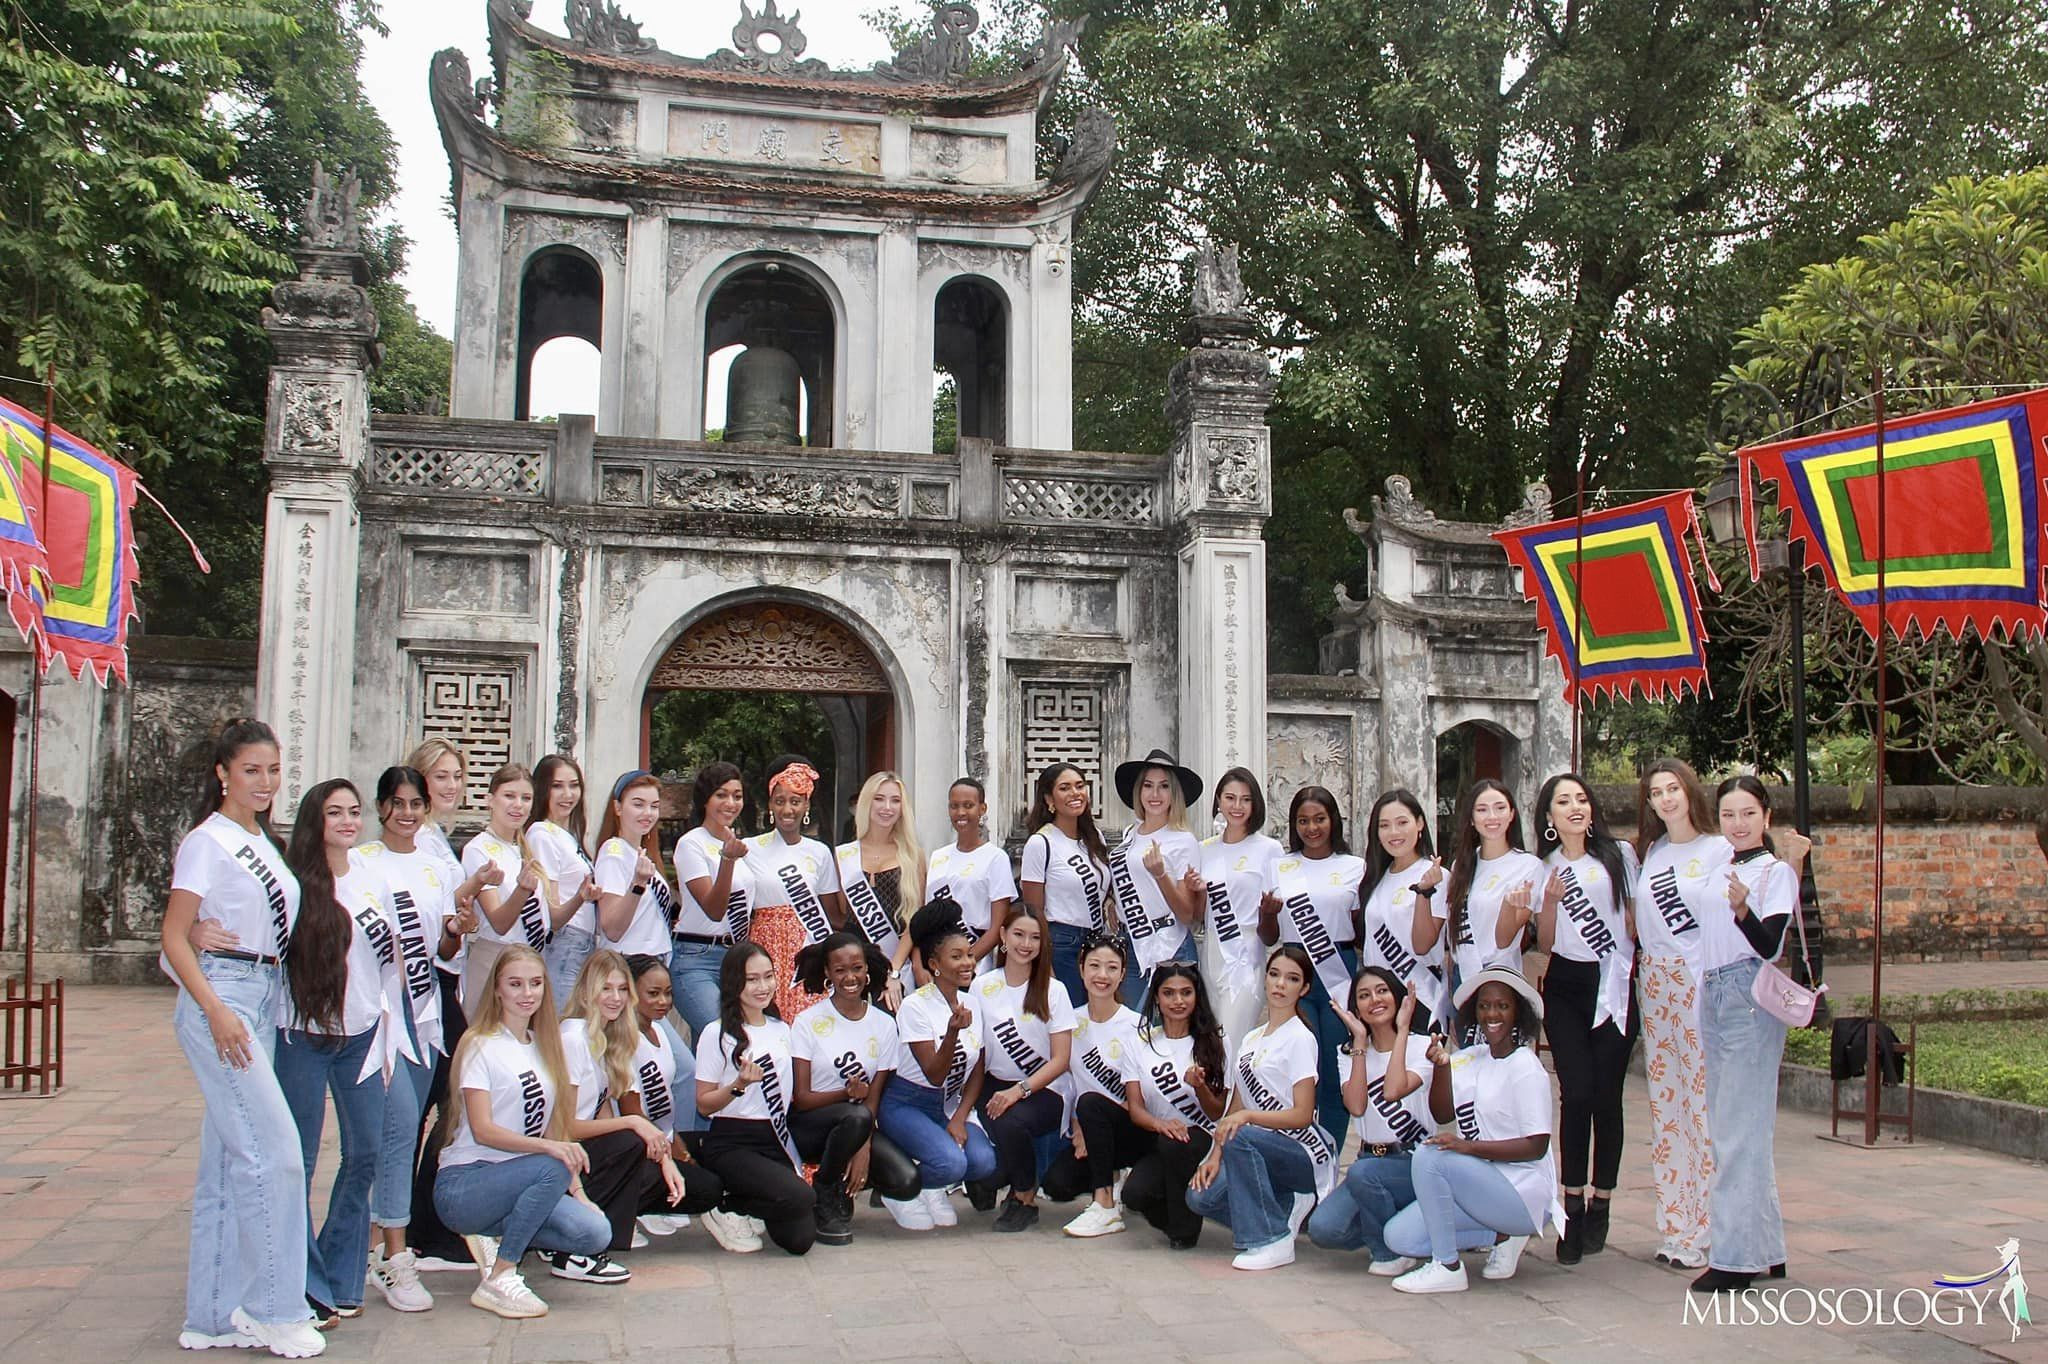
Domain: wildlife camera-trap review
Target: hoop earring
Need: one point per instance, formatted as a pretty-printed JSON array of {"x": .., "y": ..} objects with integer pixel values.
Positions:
[{"x": 1550, "y": 833}]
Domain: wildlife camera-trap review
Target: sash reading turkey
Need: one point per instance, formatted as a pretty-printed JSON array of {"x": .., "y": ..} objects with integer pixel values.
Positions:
[
  {"x": 1678, "y": 916},
  {"x": 866, "y": 905},
  {"x": 1312, "y": 934}
]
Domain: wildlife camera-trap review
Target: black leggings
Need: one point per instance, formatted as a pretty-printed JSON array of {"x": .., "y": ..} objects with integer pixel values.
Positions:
[
  {"x": 428, "y": 1235},
  {"x": 1592, "y": 1065},
  {"x": 1160, "y": 1168},
  {"x": 1015, "y": 1135},
  {"x": 702, "y": 1190},
  {"x": 829, "y": 1137},
  {"x": 760, "y": 1182},
  {"x": 620, "y": 1180}
]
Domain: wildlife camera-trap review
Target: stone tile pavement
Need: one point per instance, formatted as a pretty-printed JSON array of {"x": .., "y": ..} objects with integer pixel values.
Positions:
[{"x": 94, "y": 1190}]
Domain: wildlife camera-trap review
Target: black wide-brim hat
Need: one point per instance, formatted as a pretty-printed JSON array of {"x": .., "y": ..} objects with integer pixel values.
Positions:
[{"x": 1127, "y": 775}]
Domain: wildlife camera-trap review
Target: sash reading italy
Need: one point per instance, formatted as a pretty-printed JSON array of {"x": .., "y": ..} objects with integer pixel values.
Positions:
[
  {"x": 1614, "y": 595},
  {"x": 866, "y": 905},
  {"x": 1964, "y": 539},
  {"x": 70, "y": 567}
]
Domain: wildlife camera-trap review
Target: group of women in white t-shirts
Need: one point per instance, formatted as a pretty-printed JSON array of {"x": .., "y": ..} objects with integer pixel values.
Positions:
[{"x": 1180, "y": 1027}]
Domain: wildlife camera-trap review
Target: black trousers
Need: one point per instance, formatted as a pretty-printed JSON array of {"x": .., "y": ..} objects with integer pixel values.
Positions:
[
  {"x": 1592, "y": 1066},
  {"x": 760, "y": 1182},
  {"x": 829, "y": 1137},
  {"x": 1016, "y": 1132},
  {"x": 1157, "y": 1186},
  {"x": 1160, "y": 1168},
  {"x": 702, "y": 1190},
  {"x": 428, "y": 1235},
  {"x": 620, "y": 1181}
]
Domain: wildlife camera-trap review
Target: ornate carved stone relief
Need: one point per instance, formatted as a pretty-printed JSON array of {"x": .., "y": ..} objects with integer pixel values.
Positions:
[
  {"x": 770, "y": 647},
  {"x": 1306, "y": 750},
  {"x": 689, "y": 244},
  {"x": 970, "y": 259},
  {"x": 312, "y": 416},
  {"x": 527, "y": 230},
  {"x": 1233, "y": 467},
  {"x": 781, "y": 493}
]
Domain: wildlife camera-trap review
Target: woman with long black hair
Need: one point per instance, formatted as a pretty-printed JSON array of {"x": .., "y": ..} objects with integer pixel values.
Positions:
[
  {"x": 1065, "y": 872},
  {"x": 1237, "y": 875},
  {"x": 717, "y": 894},
  {"x": 1029, "y": 1040},
  {"x": 1402, "y": 876},
  {"x": 246, "y": 1271},
  {"x": 1588, "y": 1010},
  {"x": 1484, "y": 907}
]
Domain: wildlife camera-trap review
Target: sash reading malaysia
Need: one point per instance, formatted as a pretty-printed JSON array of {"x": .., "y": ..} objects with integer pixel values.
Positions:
[
  {"x": 1310, "y": 1138},
  {"x": 244, "y": 855},
  {"x": 866, "y": 905},
  {"x": 1148, "y": 935},
  {"x": 773, "y": 1096},
  {"x": 1315, "y": 939}
]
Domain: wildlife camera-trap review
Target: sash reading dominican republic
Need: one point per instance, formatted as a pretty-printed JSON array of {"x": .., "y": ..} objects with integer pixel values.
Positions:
[
  {"x": 1309, "y": 1138},
  {"x": 1310, "y": 931},
  {"x": 867, "y": 907},
  {"x": 243, "y": 854}
]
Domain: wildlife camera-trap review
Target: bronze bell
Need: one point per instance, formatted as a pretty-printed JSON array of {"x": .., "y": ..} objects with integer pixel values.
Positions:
[{"x": 761, "y": 396}]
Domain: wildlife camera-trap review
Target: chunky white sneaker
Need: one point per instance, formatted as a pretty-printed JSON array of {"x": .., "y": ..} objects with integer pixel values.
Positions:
[
  {"x": 199, "y": 1340},
  {"x": 1096, "y": 1220},
  {"x": 434, "y": 1264},
  {"x": 910, "y": 1214},
  {"x": 483, "y": 1250},
  {"x": 1394, "y": 1268},
  {"x": 286, "y": 1340},
  {"x": 398, "y": 1278},
  {"x": 507, "y": 1295},
  {"x": 1304, "y": 1204},
  {"x": 1502, "y": 1259},
  {"x": 758, "y": 1227},
  {"x": 940, "y": 1205},
  {"x": 731, "y": 1231},
  {"x": 1685, "y": 1258},
  {"x": 587, "y": 1268},
  {"x": 1272, "y": 1255},
  {"x": 662, "y": 1223},
  {"x": 1432, "y": 1278},
  {"x": 639, "y": 1241}
]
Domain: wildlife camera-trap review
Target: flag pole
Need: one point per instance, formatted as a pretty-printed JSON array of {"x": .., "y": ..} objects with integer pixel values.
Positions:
[
  {"x": 1874, "y": 1081},
  {"x": 32, "y": 825},
  {"x": 1578, "y": 602}
]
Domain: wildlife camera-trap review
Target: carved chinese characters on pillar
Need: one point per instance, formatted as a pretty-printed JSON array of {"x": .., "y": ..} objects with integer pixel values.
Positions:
[
  {"x": 303, "y": 554},
  {"x": 1233, "y": 679},
  {"x": 312, "y": 416}
]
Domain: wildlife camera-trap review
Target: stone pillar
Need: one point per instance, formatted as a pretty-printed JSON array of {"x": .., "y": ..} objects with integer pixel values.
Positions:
[
  {"x": 323, "y": 329},
  {"x": 1222, "y": 493}
]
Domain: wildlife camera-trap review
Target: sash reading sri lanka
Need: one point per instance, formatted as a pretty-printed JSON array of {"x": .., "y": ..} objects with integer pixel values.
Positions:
[
  {"x": 1309, "y": 1138},
  {"x": 1604, "y": 939},
  {"x": 1309, "y": 929},
  {"x": 866, "y": 905},
  {"x": 244, "y": 855},
  {"x": 1175, "y": 1089}
]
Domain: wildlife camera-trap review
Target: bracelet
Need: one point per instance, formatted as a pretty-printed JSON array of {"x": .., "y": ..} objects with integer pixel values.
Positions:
[
  {"x": 1424, "y": 892},
  {"x": 740, "y": 1089},
  {"x": 641, "y": 889}
]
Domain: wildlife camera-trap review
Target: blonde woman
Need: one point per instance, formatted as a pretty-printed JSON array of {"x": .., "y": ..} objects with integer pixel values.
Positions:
[
  {"x": 510, "y": 1177},
  {"x": 881, "y": 873},
  {"x": 1155, "y": 873}
]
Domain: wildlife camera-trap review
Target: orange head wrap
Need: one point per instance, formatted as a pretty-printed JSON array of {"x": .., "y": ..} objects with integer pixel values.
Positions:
[{"x": 801, "y": 778}]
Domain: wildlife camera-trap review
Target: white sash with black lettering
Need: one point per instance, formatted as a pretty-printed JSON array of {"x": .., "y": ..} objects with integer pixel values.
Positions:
[
  {"x": 810, "y": 911},
  {"x": 1310, "y": 932},
  {"x": 244, "y": 856},
  {"x": 390, "y": 1043},
  {"x": 868, "y": 910},
  {"x": 1151, "y": 938},
  {"x": 422, "y": 994},
  {"x": 1311, "y": 1138},
  {"x": 1604, "y": 933},
  {"x": 775, "y": 1094}
]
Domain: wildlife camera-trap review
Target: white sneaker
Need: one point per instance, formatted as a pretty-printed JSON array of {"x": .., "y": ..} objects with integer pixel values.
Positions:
[
  {"x": 1394, "y": 1268},
  {"x": 911, "y": 1214},
  {"x": 731, "y": 1232},
  {"x": 757, "y": 1226},
  {"x": 1432, "y": 1278},
  {"x": 286, "y": 1340},
  {"x": 1502, "y": 1259},
  {"x": 588, "y": 1268},
  {"x": 1272, "y": 1255},
  {"x": 639, "y": 1241},
  {"x": 483, "y": 1251},
  {"x": 940, "y": 1206},
  {"x": 1096, "y": 1220},
  {"x": 662, "y": 1223},
  {"x": 199, "y": 1340},
  {"x": 1304, "y": 1204},
  {"x": 434, "y": 1264},
  {"x": 508, "y": 1296},
  {"x": 398, "y": 1278},
  {"x": 1688, "y": 1259}
]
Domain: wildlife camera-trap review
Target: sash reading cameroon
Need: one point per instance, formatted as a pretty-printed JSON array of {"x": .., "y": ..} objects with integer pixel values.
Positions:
[{"x": 802, "y": 899}]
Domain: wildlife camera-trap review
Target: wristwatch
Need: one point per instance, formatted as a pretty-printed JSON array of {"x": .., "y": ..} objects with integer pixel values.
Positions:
[
  {"x": 739, "y": 1087},
  {"x": 640, "y": 889}
]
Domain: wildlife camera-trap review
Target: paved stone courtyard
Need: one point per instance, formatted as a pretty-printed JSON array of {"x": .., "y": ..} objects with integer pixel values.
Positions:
[{"x": 94, "y": 1189}]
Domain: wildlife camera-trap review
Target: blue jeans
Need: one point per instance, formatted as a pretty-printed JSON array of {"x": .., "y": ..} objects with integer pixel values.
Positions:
[
  {"x": 1356, "y": 1213},
  {"x": 524, "y": 1202},
  {"x": 565, "y": 955},
  {"x": 693, "y": 973},
  {"x": 1254, "y": 1192},
  {"x": 1322, "y": 1020},
  {"x": 1136, "y": 982},
  {"x": 1461, "y": 1203},
  {"x": 1066, "y": 961},
  {"x": 248, "y": 1247},
  {"x": 308, "y": 1067},
  {"x": 1744, "y": 1046},
  {"x": 914, "y": 1117},
  {"x": 399, "y": 1148}
]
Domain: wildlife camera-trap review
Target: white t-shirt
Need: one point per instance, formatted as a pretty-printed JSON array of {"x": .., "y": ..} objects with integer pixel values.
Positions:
[
  {"x": 1100, "y": 1051},
  {"x": 1017, "y": 1041},
  {"x": 1499, "y": 1099},
  {"x": 1407, "y": 1121},
  {"x": 1239, "y": 875},
  {"x": 1076, "y": 885},
  {"x": 923, "y": 1018},
  {"x": 373, "y": 979},
  {"x": 1318, "y": 897},
  {"x": 419, "y": 898},
  {"x": 242, "y": 883},
  {"x": 533, "y": 926},
  {"x": 1264, "y": 1076},
  {"x": 434, "y": 843},
  {"x": 1493, "y": 879},
  {"x": 654, "y": 1074},
  {"x": 1671, "y": 894},
  {"x": 566, "y": 865},
  {"x": 768, "y": 1046},
  {"x": 654, "y": 914},
  {"x": 799, "y": 874},
  {"x": 976, "y": 880},
  {"x": 1773, "y": 890},
  {"x": 522, "y": 1096},
  {"x": 1590, "y": 927},
  {"x": 1160, "y": 1065},
  {"x": 697, "y": 855},
  {"x": 1141, "y": 905},
  {"x": 1390, "y": 937},
  {"x": 836, "y": 1047},
  {"x": 586, "y": 1068}
]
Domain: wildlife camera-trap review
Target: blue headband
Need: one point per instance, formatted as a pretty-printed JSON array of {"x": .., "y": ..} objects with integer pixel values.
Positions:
[{"x": 619, "y": 786}]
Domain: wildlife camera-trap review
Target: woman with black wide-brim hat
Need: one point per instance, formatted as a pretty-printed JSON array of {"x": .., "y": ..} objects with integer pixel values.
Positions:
[{"x": 1155, "y": 879}]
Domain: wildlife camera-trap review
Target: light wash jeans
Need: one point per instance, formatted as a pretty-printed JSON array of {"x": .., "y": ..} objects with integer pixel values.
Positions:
[
  {"x": 524, "y": 1202},
  {"x": 1461, "y": 1203},
  {"x": 1745, "y": 1229},
  {"x": 565, "y": 955},
  {"x": 693, "y": 974},
  {"x": 1356, "y": 1213},
  {"x": 248, "y": 1246},
  {"x": 1254, "y": 1191},
  {"x": 914, "y": 1117},
  {"x": 404, "y": 1103},
  {"x": 309, "y": 1066}
]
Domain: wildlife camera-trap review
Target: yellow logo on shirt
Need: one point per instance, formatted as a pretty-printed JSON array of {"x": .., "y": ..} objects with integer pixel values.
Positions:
[
  {"x": 822, "y": 1025},
  {"x": 1289, "y": 864},
  {"x": 992, "y": 984},
  {"x": 1693, "y": 870}
]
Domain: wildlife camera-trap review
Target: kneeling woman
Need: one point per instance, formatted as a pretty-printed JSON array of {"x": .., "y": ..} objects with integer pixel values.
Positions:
[
  {"x": 743, "y": 1085},
  {"x": 510, "y": 1178},
  {"x": 1491, "y": 1182},
  {"x": 1271, "y": 1162},
  {"x": 1398, "y": 1098},
  {"x": 938, "y": 1072},
  {"x": 1030, "y": 1023}
]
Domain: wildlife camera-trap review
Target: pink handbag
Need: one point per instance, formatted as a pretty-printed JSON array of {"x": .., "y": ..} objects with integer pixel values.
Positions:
[{"x": 1782, "y": 997}]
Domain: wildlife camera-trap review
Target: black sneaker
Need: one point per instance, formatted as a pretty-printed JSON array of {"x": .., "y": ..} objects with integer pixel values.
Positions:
[
  {"x": 1016, "y": 1216},
  {"x": 981, "y": 1194},
  {"x": 587, "y": 1268},
  {"x": 835, "y": 1218}
]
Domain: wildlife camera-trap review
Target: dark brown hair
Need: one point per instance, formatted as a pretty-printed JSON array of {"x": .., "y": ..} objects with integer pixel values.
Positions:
[{"x": 316, "y": 967}]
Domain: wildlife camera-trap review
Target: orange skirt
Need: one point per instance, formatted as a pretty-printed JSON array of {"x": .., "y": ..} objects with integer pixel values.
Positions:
[{"x": 779, "y": 930}]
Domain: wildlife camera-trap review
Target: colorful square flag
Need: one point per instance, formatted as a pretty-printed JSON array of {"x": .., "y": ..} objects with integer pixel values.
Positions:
[
  {"x": 1963, "y": 535},
  {"x": 1615, "y": 598},
  {"x": 22, "y": 560}
]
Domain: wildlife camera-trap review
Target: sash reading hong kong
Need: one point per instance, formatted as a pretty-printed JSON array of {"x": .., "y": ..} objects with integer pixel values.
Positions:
[
  {"x": 1102, "y": 1072},
  {"x": 244, "y": 855},
  {"x": 867, "y": 907},
  {"x": 533, "y": 1104},
  {"x": 1314, "y": 937},
  {"x": 1406, "y": 1127},
  {"x": 656, "y": 1101},
  {"x": 1664, "y": 893},
  {"x": 804, "y": 900},
  {"x": 1177, "y": 1092},
  {"x": 1309, "y": 1138}
]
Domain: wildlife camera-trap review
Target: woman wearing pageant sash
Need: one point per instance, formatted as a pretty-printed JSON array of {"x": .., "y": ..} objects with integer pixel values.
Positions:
[
  {"x": 1238, "y": 873},
  {"x": 1402, "y": 877},
  {"x": 973, "y": 871},
  {"x": 717, "y": 893},
  {"x": 515, "y": 910},
  {"x": 554, "y": 838},
  {"x": 882, "y": 871},
  {"x": 795, "y": 880},
  {"x": 1154, "y": 873},
  {"x": 246, "y": 1274},
  {"x": 1483, "y": 909},
  {"x": 1065, "y": 876},
  {"x": 1029, "y": 1040}
]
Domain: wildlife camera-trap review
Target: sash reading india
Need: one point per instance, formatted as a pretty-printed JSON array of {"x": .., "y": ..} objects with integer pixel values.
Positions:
[{"x": 867, "y": 907}]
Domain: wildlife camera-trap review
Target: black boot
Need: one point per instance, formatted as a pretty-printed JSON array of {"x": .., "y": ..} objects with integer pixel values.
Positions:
[
  {"x": 982, "y": 1194},
  {"x": 1571, "y": 1245},
  {"x": 1721, "y": 1281},
  {"x": 1776, "y": 1271},
  {"x": 835, "y": 1216},
  {"x": 1597, "y": 1210}
]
